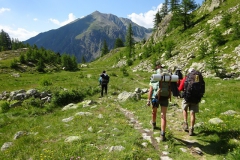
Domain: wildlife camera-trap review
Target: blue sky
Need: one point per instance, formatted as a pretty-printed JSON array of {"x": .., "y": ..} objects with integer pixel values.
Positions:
[{"x": 23, "y": 19}]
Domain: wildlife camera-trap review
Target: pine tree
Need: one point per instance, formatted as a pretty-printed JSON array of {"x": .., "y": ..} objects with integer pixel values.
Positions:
[
  {"x": 187, "y": 7},
  {"x": 40, "y": 65},
  {"x": 236, "y": 31},
  {"x": 74, "y": 66},
  {"x": 182, "y": 13},
  {"x": 174, "y": 5},
  {"x": 175, "y": 10},
  {"x": 83, "y": 60},
  {"x": 157, "y": 20},
  {"x": 164, "y": 9},
  {"x": 130, "y": 40},
  {"x": 104, "y": 48},
  {"x": 161, "y": 14},
  {"x": 5, "y": 41},
  {"x": 226, "y": 20},
  {"x": 217, "y": 37},
  {"x": 118, "y": 43}
]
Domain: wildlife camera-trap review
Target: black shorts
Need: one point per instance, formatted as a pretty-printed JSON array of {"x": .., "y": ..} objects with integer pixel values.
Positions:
[{"x": 163, "y": 102}]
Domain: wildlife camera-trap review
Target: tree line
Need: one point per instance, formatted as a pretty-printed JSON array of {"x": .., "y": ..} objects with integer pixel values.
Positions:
[
  {"x": 181, "y": 13},
  {"x": 40, "y": 57},
  {"x": 6, "y": 43}
]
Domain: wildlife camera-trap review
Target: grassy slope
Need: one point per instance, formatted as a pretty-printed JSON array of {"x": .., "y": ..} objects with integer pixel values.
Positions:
[
  {"x": 190, "y": 40},
  {"x": 216, "y": 142},
  {"x": 113, "y": 129}
]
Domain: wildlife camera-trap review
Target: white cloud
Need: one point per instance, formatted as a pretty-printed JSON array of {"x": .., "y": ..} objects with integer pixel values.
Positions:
[
  {"x": 145, "y": 19},
  {"x": 4, "y": 10},
  {"x": 35, "y": 19},
  {"x": 55, "y": 21},
  {"x": 71, "y": 18},
  {"x": 20, "y": 33}
]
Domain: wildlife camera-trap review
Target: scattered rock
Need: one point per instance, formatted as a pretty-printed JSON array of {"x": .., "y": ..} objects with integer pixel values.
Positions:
[
  {"x": 100, "y": 116},
  {"x": 215, "y": 121},
  {"x": 83, "y": 114},
  {"x": 6, "y": 145},
  {"x": 229, "y": 112},
  {"x": 126, "y": 95},
  {"x": 67, "y": 119},
  {"x": 19, "y": 134},
  {"x": 90, "y": 129},
  {"x": 183, "y": 150},
  {"x": 72, "y": 138},
  {"x": 196, "y": 150},
  {"x": 144, "y": 144},
  {"x": 165, "y": 158},
  {"x": 116, "y": 148},
  {"x": 70, "y": 106}
]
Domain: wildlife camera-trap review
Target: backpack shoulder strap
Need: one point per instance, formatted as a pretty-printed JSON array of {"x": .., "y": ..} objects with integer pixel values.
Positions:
[
  {"x": 169, "y": 87},
  {"x": 160, "y": 86}
]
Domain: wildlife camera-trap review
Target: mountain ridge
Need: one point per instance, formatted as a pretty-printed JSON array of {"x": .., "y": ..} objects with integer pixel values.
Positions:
[{"x": 85, "y": 36}]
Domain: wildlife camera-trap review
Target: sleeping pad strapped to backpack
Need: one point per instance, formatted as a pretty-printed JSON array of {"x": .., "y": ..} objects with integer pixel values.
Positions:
[{"x": 162, "y": 88}]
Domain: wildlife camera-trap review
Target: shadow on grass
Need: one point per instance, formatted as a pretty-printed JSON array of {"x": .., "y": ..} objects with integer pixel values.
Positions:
[{"x": 214, "y": 142}]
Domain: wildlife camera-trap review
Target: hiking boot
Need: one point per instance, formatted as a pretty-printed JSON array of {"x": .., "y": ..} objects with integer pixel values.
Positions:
[
  {"x": 154, "y": 126},
  {"x": 185, "y": 126},
  {"x": 162, "y": 138},
  {"x": 191, "y": 131}
]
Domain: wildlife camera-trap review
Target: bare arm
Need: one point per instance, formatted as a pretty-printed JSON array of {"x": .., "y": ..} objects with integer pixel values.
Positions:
[{"x": 150, "y": 95}]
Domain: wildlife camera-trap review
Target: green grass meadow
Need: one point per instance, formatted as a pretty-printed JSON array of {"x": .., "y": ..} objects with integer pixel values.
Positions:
[{"x": 47, "y": 133}]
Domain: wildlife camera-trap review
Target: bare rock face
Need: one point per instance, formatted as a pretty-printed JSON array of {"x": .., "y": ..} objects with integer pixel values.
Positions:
[
  {"x": 162, "y": 28},
  {"x": 214, "y": 4},
  {"x": 210, "y": 5}
]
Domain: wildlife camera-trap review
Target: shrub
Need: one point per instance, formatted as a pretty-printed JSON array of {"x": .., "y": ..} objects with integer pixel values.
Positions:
[
  {"x": 81, "y": 75},
  {"x": 14, "y": 64},
  {"x": 124, "y": 71},
  {"x": 236, "y": 31},
  {"x": 217, "y": 37},
  {"x": 33, "y": 102},
  {"x": 169, "y": 45},
  {"x": 92, "y": 90},
  {"x": 207, "y": 30},
  {"x": 203, "y": 48},
  {"x": 168, "y": 55},
  {"x": 113, "y": 74},
  {"x": 5, "y": 107},
  {"x": 235, "y": 154},
  {"x": 226, "y": 20},
  {"x": 45, "y": 82},
  {"x": 129, "y": 62},
  {"x": 22, "y": 58},
  {"x": 40, "y": 66},
  {"x": 61, "y": 98}
]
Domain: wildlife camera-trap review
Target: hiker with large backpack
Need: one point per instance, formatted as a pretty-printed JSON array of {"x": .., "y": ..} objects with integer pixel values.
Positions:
[
  {"x": 193, "y": 87},
  {"x": 104, "y": 80},
  {"x": 159, "y": 93}
]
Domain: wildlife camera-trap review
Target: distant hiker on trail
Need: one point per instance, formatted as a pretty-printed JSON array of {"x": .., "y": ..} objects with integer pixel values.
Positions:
[
  {"x": 160, "y": 67},
  {"x": 160, "y": 97},
  {"x": 180, "y": 76},
  {"x": 193, "y": 87},
  {"x": 104, "y": 82}
]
